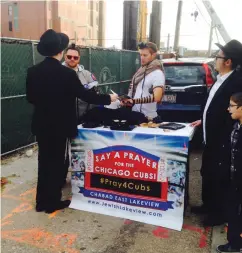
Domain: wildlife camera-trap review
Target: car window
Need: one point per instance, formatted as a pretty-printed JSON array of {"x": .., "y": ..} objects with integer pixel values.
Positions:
[{"x": 183, "y": 75}]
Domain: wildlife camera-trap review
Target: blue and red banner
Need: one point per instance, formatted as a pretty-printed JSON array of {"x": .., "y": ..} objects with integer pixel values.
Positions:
[{"x": 142, "y": 173}]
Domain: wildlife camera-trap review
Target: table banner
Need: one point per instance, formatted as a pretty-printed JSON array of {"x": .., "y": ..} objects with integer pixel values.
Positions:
[{"x": 130, "y": 175}]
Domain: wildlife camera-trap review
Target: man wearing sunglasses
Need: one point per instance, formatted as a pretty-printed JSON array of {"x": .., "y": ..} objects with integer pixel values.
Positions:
[
  {"x": 217, "y": 126},
  {"x": 88, "y": 80},
  {"x": 72, "y": 60}
]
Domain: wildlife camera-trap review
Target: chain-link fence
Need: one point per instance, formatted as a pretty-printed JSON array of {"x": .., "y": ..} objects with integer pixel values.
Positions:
[{"x": 112, "y": 68}]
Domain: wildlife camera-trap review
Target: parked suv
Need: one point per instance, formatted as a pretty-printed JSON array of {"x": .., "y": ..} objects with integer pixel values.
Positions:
[{"x": 187, "y": 83}]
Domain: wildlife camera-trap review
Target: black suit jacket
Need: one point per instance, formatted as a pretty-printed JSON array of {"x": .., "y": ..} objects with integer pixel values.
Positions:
[
  {"x": 219, "y": 125},
  {"x": 53, "y": 89},
  {"x": 238, "y": 166}
]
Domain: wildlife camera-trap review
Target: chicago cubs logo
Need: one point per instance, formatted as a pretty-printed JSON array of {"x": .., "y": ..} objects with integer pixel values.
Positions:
[{"x": 93, "y": 77}]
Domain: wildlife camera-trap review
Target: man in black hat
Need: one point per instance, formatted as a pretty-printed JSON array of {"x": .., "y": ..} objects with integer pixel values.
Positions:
[
  {"x": 217, "y": 126},
  {"x": 52, "y": 89}
]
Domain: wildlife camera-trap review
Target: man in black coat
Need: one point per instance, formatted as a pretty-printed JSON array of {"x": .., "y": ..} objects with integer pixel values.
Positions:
[
  {"x": 53, "y": 89},
  {"x": 217, "y": 126}
]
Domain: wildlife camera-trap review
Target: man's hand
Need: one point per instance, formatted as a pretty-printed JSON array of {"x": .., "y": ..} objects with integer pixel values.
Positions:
[
  {"x": 196, "y": 123},
  {"x": 113, "y": 97}
]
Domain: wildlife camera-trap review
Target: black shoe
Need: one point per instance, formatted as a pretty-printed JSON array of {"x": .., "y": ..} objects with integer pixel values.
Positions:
[
  {"x": 59, "y": 206},
  {"x": 212, "y": 221},
  {"x": 227, "y": 248},
  {"x": 39, "y": 208},
  {"x": 199, "y": 209}
]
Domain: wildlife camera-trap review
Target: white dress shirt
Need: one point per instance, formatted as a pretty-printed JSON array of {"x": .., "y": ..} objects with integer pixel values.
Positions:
[{"x": 215, "y": 87}]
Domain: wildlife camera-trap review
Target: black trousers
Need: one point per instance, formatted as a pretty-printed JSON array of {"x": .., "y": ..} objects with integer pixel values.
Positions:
[
  {"x": 214, "y": 193},
  {"x": 51, "y": 169},
  {"x": 234, "y": 218},
  {"x": 215, "y": 181}
]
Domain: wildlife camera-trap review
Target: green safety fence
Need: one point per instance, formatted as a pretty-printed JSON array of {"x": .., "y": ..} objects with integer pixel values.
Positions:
[{"x": 113, "y": 69}]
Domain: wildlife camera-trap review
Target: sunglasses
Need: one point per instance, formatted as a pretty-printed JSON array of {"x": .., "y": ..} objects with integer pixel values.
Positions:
[{"x": 69, "y": 57}]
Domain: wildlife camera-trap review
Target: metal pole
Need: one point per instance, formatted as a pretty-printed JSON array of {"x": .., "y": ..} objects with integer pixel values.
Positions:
[
  {"x": 11, "y": 38},
  {"x": 210, "y": 39},
  {"x": 217, "y": 22},
  {"x": 90, "y": 59},
  {"x": 14, "y": 150},
  {"x": 120, "y": 66},
  {"x": 34, "y": 61},
  {"x": 152, "y": 22},
  {"x": 11, "y": 97},
  {"x": 158, "y": 27},
  {"x": 178, "y": 25},
  {"x": 125, "y": 81},
  {"x": 168, "y": 43}
]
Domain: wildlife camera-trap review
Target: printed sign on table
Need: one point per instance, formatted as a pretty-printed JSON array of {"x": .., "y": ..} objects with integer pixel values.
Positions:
[{"x": 130, "y": 175}]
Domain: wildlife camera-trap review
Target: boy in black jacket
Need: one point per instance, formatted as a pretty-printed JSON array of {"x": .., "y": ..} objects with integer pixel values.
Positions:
[{"x": 234, "y": 198}]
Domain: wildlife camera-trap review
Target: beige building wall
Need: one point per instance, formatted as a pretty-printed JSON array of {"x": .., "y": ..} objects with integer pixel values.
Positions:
[
  {"x": 79, "y": 19},
  {"x": 93, "y": 22},
  {"x": 28, "y": 19},
  {"x": 73, "y": 19},
  {"x": 102, "y": 24}
]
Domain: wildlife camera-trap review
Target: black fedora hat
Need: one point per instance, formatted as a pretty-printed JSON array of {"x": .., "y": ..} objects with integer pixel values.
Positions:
[
  {"x": 233, "y": 50},
  {"x": 52, "y": 43}
]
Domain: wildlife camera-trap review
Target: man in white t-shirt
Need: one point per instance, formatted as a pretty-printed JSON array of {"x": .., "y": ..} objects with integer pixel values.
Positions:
[{"x": 148, "y": 83}]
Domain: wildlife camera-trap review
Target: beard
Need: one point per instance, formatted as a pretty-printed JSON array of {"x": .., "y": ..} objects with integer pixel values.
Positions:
[{"x": 72, "y": 65}]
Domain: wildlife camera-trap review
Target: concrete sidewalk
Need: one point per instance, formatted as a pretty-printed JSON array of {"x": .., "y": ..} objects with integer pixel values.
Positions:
[
  {"x": 73, "y": 231},
  {"x": 218, "y": 237}
]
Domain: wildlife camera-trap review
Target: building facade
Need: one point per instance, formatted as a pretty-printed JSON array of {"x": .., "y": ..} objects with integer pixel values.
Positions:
[{"x": 82, "y": 20}]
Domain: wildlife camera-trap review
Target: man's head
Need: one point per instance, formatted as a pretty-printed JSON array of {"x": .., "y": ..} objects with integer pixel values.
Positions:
[
  {"x": 52, "y": 44},
  {"x": 228, "y": 57},
  {"x": 224, "y": 64},
  {"x": 235, "y": 106},
  {"x": 72, "y": 56},
  {"x": 148, "y": 52}
]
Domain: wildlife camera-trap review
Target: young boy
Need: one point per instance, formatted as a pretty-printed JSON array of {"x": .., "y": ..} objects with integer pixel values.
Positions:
[{"x": 234, "y": 198}]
